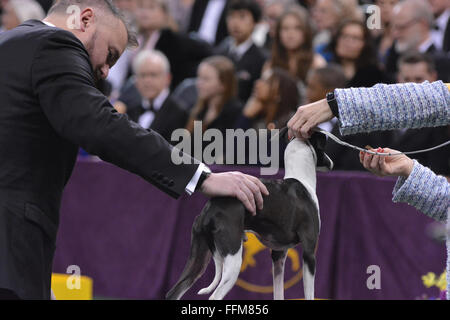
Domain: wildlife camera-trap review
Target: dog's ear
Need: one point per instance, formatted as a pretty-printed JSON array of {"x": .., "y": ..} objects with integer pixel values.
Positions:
[
  {"x": 283, "y": 134},
  {"x": 318, "y": 141}
]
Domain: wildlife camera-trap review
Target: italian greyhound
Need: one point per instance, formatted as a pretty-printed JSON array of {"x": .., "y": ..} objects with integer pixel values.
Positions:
[{"x": 290, "y": 217}]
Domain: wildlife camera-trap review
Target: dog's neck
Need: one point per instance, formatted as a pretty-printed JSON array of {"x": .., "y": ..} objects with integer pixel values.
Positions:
[{"x": 300, "y": 164}]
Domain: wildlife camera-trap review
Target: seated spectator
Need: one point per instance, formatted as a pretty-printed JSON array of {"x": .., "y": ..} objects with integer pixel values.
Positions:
[
  {"x": 320, "y": 82},
  {"x": 16, "y": 12},
  {"x": 242, "y": 16},
  {"x": 353, "y": 49},
  {"x": 383, "y": 36},
  {"x": 265, "y": 31},
  {"x": 292, "y": 48},
  {"x": 156, "y": 109},
  {"x": 327, "y": 14},
  {"x": 184, "y": 53},
  {"x": 217, "y": 104},
  {"x": 273, "y": 102},
  {"x": 207, "y": 20},
  {"x": 412, "y": 23},
  {"x": 417, "y": 67},
  {"x": 441, "y": 30}
]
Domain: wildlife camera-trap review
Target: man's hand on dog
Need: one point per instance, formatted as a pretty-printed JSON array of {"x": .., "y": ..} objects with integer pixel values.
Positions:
[{"x": 248, "y": 189}]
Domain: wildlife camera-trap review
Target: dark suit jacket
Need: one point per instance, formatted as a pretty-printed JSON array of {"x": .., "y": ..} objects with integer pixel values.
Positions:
[
  {"x": 248, "y": 67},
  {"x": 50, "y": 107},
  {"x": 168, "y": 118},
  {"x": 183, "y": 52},
  {"x": 197, "y": 13},
  {"x": 446, "y": 43}
]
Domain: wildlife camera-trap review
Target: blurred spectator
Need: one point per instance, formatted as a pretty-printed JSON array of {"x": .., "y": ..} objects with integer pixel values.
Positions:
[
  {"x": 292, "y": 48},
  {"x": 128, "y": 9},
  {"x": 265, "y": 31},
  {"x": 217, "y": 104},
  {"x": 181, "y": 11},
  {"x": 16, "y": 12},
  {"x": 208, "y": 20},
  {"x": 383, "y": 37},
  {"x": 273, "y": 102},
  {"x": 242, "y": 16},
  {"x": 441, "y": 30},
  {"x": 417, "y": 67},
  {"x": 327, "y": 14},
  {"x": 45, "y": 4},
  {"x": 156, "y": 110},
  {"x": 183, "y": 52},
  {"x": 352, "y": 47},
  {"x": 412, "y": 21},
  {"x": 320, "y": 82}
]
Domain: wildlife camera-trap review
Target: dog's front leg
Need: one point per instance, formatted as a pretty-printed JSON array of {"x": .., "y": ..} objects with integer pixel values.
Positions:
[{"x": 278, "y": 259}]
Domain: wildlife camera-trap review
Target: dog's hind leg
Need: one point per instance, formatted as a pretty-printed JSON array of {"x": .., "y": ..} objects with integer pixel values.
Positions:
[
  {"x": 309, "y": 268},
  {"x": 196, "y": 265},
  {"x": 231, "y": 268},
  {"x": 218, "y": 262},
  {"x": 278, "y": 260}
]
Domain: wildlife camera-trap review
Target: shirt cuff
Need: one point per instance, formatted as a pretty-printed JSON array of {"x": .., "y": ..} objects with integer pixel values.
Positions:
[{"x": 190, "y": 188}]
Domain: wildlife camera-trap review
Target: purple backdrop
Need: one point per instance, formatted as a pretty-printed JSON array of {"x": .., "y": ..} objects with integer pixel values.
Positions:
[{"x": 133, "y": 240}]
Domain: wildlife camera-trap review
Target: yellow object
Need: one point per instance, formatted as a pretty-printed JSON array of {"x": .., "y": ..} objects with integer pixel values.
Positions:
[
  {"x": 448, "y": 85},
  {"x": 72, "y": 287}
]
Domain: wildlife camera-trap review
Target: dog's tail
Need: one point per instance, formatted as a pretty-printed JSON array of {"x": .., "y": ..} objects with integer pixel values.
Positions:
[{"x": 199, "y": 258}]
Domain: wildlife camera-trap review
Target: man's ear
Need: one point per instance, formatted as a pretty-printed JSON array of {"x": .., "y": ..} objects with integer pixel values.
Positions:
[{"x": 87, "y": 18}]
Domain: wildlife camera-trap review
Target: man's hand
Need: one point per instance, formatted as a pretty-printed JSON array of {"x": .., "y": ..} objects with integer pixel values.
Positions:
[
  {"x": 399, "y": 165},
  {"x": 248, "y": 189},
  {"x": 307, "y": 117}
]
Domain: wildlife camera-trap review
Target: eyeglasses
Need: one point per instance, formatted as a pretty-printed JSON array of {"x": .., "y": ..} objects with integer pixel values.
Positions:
[{"x": 350, "y": 37}]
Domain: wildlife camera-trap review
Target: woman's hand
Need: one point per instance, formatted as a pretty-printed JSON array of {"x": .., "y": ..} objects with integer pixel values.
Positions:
[
  {"x": 399, "y": 165},
  {"x": 308, "y": 117}
]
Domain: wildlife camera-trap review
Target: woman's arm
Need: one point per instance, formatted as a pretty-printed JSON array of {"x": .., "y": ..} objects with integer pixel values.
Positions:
[
  {"x": 388, "y": 107},
  {"x": 381, "y": 107}
]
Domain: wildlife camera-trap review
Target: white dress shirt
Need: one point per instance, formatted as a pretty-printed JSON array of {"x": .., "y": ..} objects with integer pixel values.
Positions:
[{"x": 210, "y": 21}]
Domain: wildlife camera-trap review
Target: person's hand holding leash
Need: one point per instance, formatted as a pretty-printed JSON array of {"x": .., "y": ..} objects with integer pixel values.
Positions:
[
  {"x": 248, "y": 189},
  {"x": 307, "y": 117},
  {"x": 398, "y": 165}
]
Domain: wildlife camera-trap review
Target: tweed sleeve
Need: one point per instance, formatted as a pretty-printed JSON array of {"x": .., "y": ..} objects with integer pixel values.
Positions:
[
  {"x": 389, "y": 107},
  {"x": 425, "y": 191}
]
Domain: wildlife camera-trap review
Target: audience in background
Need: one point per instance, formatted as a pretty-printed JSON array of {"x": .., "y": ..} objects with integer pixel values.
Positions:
[
  {"x": 292, "y": 47},
  {"x": 17, "y": 11},
  {"x": 441, "y": 30},
  {"x": 155, "y": 109},
  {"x": 273, "y": 102},
  {"x": 184, "y": 53},
  {"x": 412, "y": 21},
  {"x": 352, "y": 48},
  {"x": 418, "y": 67},
  {"x": 207, "y": 20},
  {"x": 242, "y": 17},
  {"x": 383, "y": 36},
  {"x": 306, "y": 48},
  {"x": 327, "y": 14},
  {"x": 217, "y": 105},
  {"x": 272, "y": 11}
]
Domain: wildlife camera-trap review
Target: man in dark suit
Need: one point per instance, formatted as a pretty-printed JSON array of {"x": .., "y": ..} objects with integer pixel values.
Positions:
[
  {"x": 208, "y": 20},
  {"x": 441, "y": 29},
  {"x": 50, "y": 106},
  {"x": 242, "y": 17},
  {"x": 412, "y": 21},
  {"x": 155, "y": 109}
]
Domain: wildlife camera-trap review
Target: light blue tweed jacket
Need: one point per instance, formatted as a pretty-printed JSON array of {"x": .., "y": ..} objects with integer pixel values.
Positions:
[{"x": 388, "y": 107}]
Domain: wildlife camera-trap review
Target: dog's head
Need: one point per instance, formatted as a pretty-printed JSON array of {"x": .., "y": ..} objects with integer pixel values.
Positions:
[{"x": 317, "y": 143}]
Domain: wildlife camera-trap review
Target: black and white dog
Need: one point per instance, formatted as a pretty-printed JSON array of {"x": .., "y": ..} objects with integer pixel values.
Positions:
[{"x": 290, "y": 217}]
